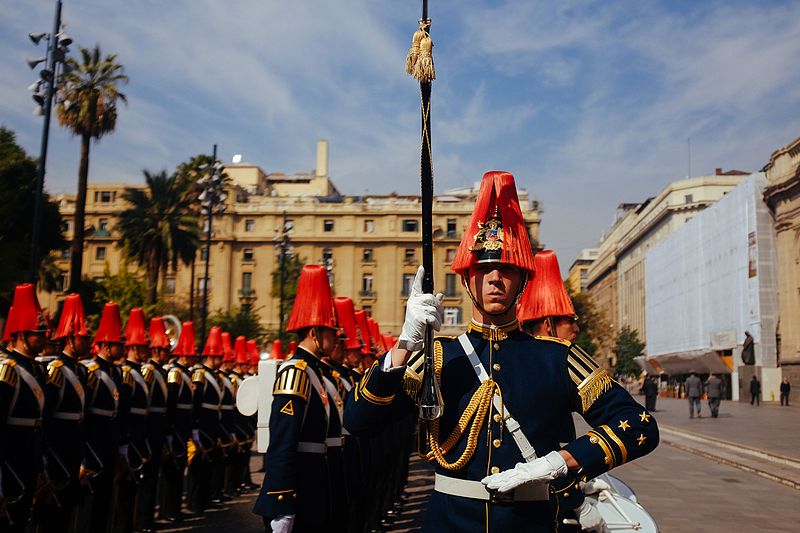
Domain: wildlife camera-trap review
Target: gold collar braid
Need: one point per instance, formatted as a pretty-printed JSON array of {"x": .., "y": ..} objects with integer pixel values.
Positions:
[{"x": 491, "y": 332}]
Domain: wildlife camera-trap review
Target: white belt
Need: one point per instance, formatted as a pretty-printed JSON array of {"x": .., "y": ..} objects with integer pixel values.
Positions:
[
  {"x": 25, "y": 422},
  {"x": 476, "y": 490},
  {"x": 186, "y": 406},
  {"x": 138, "y": 411},
  {"x": 68, "y": 416},
  {"x": 214, "y": 406},
  {"x": 334, "y": 442},
  {"x": 103, "y": 412},
  {"x": 227, "y": 408},
  {"x": 159, "y": 410},
  {"x": 312, "y": 447}
]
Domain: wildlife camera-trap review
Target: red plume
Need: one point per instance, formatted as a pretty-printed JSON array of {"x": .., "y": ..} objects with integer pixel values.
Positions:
[
  {"x": 110, "y": 328},
  {"x": 73, "y": 320},
  {"x": 313, "y": 305},
  {"x": 545, "y": 294}
]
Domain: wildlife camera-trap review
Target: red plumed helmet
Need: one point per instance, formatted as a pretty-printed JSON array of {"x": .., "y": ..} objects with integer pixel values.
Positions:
[
  {"x": 134, "y": 329},
  {"x": 186, "y": 346},
  {"x": 388, "y": 341},
  {"x": 227, "y": 350},
  {"x": 497, "y": 232},
  {"x": 363, "y": 329},
  {"x": 110, "y": 328},
  {"x": 292, "y": 348},
  {"x": 375, "y": 332},
  {"x": 7, "y": 325},
  {"x": 28, "y": 315},
  {"x": 240, "y": 349},
  {"x": 213, "y": 342},
  {"x": 252, "y": 349},
  {"x": 345, "y": 313},
  {"x": 158, "y": 333},
  {"x": 313, "y": 305},
  {"x": 545, "y": 294},
  {"x": 73, "y": 319},
  {"x": 277, "y": 350}
]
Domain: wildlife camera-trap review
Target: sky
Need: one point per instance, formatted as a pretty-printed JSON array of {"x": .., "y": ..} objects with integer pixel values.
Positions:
[{"x": 589, "y": 104}]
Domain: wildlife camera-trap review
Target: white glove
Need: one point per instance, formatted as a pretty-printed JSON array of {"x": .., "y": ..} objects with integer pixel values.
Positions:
[
  {"x": 283, "y": 524},
  {"x": 421, "y": 310},
  {"x": 196, "y": 436},
  {"x": 123, "y": 452},
  {"x": 590, "y": 518},
  {"x": 594, "y": 486},
  {"x": 541, "y": 470}
]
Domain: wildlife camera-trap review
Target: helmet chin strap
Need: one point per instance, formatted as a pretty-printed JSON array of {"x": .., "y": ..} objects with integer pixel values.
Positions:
[{"x": 465, "y": 282}]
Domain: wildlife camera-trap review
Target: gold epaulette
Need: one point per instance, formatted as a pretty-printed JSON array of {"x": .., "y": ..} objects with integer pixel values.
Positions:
[
  {"x": 7, "y": 373},
  {"x": 293, "y": 381},
  {"x": 54, "y": 375},
  {"x": 301, "y": 364},
  {"x": 559, "y": 340},
  {"x": 148, "y": 373},
  {"x": 199, "y": 375},
  {"x": 591, "y": 380},
  {"x": 127, "y": 376},
  {"x": 175, "y": 375},
  {"x": 91, "y": 376}
]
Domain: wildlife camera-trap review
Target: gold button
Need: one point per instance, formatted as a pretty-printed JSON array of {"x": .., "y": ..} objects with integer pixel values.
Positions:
[
  {"x": 496, "y": 367},
  {"x": 495, "y": 469},
  {"x": 280, "y": 497},
  {"x": 294, "y": 495},
  {"x": 593, "y": 439},
  {"x": 496, "y": 346},
  {"x": 608, "y": 460},
  {"x": 497, "y": 418},
  {"x": 566, "y": 494},
  {"x": 496, "y": 443}
]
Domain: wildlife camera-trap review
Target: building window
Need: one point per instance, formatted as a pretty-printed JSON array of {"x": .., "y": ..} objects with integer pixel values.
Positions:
[
  {"x": 102, "y": 224},
  {"x": 369, "y": 226},
  {"x": 66, "y": 226},
  {"x": 366, "y": 285},
  {"x": 247, "y": 254},
  {"x": 689, "y": 198},
  {"x": 64, "y": 281},
  {"x": 327, "y": 255},
  {"x": 327, "y": 225},
  {"x": 452, "y": 316},
  {"x": 201, "y": 285},
  {"x": 450, "y": 255},
  {"x": 367, "y": 309},
  {"x": 249, "y": 225},
  {"x": 66, "y": 253},
  {"x": 204, "y": 254},
  {"x": 368, "y": 256},
  {"x": 205, "y": 226},
  {"x": 450, "y": 285},
  {"x": 100, "y": 253},
  {"x": 104, "y": 197},
  {"x": 247, "y": 281},
  {"x": 169, "y": 285},
  {"x": 451, "y": 227},
  {"x": 410, "y": 225},
  {"x": 408, "y": 283},
  {"x": 410, "y": 256}
]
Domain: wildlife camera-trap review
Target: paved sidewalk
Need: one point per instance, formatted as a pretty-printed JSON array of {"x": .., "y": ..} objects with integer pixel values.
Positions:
[{"x": 769, "y": 427}]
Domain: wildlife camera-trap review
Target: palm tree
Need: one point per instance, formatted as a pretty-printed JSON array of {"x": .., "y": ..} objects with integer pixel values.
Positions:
[
  {"x": 89, "y": 108},
  {"x": 160, "y": 228}
]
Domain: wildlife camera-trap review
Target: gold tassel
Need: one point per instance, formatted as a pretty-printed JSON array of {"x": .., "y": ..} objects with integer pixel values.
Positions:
[
  {"x": 596, "y": 386},
  {"x": 423, "y": 70},
  {"x": 413, "y": 52}
]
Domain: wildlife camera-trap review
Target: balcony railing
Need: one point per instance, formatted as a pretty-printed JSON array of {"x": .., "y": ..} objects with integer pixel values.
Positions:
[{"x": 367, "y": 294}]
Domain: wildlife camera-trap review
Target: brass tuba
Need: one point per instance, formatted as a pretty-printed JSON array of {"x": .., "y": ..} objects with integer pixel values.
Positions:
[{"x": 173, "y": 328}]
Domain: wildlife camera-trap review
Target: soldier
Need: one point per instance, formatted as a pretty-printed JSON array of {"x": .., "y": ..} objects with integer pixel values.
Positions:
[
  {"x": 237, "y": 477},
  {"x": 155, "y": 376},
  {"x": 207, "y": 424},
  {"x": 22, "y": 406},
  {"x": 180, "y": 418},
  {"x": 104, "y": 440},
  {"x": 546, "y": 311},
  {"x": 134, "y": 396},
  {"x": 296, "y": 495},
  {"x": 228, "y": 434},
  {"x": 504, "y": 393},
  {"x": 64, "y": 427}
]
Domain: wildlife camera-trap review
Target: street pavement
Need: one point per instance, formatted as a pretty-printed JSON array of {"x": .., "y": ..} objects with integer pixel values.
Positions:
[{"x": 703, "y": 476}]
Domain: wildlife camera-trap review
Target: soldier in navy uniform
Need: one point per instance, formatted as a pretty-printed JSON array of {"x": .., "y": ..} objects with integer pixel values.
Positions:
[
  {"x": 511, "y": 392},
  {"x": 104, "y": 439},
  {"x": 156, "y": 379},
  {"x": 207, "y": 425},
  {"x": 228, "y": 437},
  {"x": 296, "y": 495},
  {"x": 65, "y": 401},
  {"x": 22, "y": 405},
  {"x": 546, "y": 311},
  {"x": 236, "y": 368},
  {"x": 331, "y": 380},
  {"x": 180, "y": 419}
]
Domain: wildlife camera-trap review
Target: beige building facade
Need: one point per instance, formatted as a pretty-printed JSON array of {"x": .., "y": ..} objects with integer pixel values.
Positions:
[
  {"x": 782, "y": 196},
  {"x": 577, "y": 277},
  {"x": 371, "y": 244}
]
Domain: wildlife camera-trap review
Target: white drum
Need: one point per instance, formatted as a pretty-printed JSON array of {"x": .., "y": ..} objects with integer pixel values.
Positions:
[
  {"x": 623, "y": 515},
  {"x": 619, "y": 487}
]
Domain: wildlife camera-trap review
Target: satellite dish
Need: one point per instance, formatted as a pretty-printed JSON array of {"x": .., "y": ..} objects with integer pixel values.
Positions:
[{"x": 237, "y": 158}]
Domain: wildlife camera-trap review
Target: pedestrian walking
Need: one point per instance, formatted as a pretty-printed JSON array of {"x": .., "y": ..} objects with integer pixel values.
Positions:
[
  {"x": 714, "y": 389},
  {"x": 755, "y": 391},
  {"x": 650, "y": 390},
  {"x": 786, "y": 387},
  {"x": 694, "y": 389}
]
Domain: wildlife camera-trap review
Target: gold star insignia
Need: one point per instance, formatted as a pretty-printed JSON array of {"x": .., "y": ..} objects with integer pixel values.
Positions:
[
  {"x": 623, "y": 425},
  {"x": 645, "y": 416},
  {"x": 640, "y": 439}
]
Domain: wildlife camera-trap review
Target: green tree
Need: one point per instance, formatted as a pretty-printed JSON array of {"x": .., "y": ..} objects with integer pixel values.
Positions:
[
  {"x": 125, "y": 288},
  {"x": 239, "y": 321},
  {"x": 628, "y": 347},
  {"x": 89, "y": 109},
  {"x": 159, "y": 229},
  {"x": 18, "y": 174}
]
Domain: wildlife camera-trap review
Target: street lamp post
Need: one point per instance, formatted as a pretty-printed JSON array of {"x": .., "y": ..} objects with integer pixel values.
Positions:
[
  {"x": 44, "y": 89},
  {"x": 284, "y": 244},
  {"x": 213, "y": 193}
]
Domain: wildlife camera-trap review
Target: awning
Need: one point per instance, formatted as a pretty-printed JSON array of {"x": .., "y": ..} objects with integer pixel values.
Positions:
[{"x": 702, "y": 362}]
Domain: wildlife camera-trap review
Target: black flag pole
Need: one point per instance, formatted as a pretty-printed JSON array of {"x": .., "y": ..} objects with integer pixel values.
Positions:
[{"x": 420, "y": 57}]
